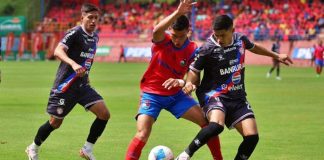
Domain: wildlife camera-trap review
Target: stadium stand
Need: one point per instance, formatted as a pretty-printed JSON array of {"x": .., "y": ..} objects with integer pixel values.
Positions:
[{"x": 131, "y": 23}]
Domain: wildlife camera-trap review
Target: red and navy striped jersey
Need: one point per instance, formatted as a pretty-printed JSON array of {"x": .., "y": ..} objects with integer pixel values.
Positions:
[
  {"x": 167, "y": 62},
  {"x": 223, "y": 68}
]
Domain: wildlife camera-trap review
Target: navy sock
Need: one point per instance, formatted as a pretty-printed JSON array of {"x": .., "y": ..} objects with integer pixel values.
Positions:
[
  {"x": 203, "y": 136},
  {"x": 247, "y": 147},
  {"x": 97, "y": 127},
  {"x": 43, "y": 132}
]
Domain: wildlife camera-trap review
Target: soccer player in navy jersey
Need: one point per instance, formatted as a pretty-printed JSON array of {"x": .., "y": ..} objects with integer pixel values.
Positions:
[
  {"x": 275, "y": 63},
  {"x": 162, "y": 83},
  {"x": 222, "y": 90},
  {"x": 76, "y": 52}
]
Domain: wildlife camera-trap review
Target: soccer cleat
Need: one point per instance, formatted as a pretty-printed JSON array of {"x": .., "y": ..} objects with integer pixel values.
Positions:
[
  {"x": 278, "y": 78},
  {"x": 32, "y": 153},
  {"x": 268, "y": 75},
  {"x": 86, "y": 154},
  {"x": 183, "y": 156}
]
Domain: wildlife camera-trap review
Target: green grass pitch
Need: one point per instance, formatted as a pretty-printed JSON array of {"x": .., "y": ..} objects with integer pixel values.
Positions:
[{"x": 289, "y": 114}]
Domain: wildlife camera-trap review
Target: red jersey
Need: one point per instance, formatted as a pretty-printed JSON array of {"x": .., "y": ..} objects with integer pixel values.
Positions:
[
  {"x": 167, "y": 62},
  {"x": 318, "y": 52}
]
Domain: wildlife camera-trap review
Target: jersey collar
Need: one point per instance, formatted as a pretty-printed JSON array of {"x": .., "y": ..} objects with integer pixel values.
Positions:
[
  {"x": 212, "y": 38},
  {"x": 83, "y": 29}
]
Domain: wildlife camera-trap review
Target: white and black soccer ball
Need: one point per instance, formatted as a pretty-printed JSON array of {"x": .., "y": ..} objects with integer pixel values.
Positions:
[{"x": 161, "y": 153}]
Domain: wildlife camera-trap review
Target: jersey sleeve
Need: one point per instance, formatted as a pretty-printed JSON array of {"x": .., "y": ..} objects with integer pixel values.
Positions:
[
  {"x": 248, "y": 44},
  {"x": 69, "y": 38},
  {"x": 200, "y": 60}
]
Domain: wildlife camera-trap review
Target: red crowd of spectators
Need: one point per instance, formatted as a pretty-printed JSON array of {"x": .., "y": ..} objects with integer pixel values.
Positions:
[{"x": 259, "y": 19}]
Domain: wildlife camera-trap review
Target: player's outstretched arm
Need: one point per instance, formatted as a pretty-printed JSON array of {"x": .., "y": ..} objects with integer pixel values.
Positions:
[
  {"x": 283, "y": 58},
  {"x": 60, "y": 52},
  {"x": 183, "y": 8}
]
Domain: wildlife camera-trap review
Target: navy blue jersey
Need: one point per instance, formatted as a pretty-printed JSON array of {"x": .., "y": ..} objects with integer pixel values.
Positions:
[
  {"x": 81, "y": 48},
  {"x": 223, "y": 68},
  {"x": 275, "y": 47}
]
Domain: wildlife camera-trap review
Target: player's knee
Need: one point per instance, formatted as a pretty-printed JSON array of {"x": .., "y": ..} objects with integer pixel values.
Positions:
[
  {"x": 56, "y": 123},
  {"x": 252, "y": 139},
  {"x": 103, "y": 114},
  {"x": 143, "y": 134},
  {"x": 215, "y": 128}
]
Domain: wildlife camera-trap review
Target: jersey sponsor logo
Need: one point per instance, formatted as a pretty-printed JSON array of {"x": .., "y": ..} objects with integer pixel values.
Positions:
[
  {"x": 236, "y": 78},
  {"x": 233, "y": 61},
  {"x": 217, "y": 50},
  {"x": 229, "y": 49},
  {"x": 61, "y": 102},
  {"x": 87, "y": 55},
  {"x": 231, "y": 69},
  {"x": 90, "y": 40},
  {"x": 235, "y": 87}
]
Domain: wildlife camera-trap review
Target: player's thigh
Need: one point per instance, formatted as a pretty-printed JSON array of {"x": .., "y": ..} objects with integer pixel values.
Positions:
[
  {"x": 100, "y": 110},
  {"x": 247, "y": 127},
  {"x": 195, "y": 114},
  {"x": 217, "y": 116}
]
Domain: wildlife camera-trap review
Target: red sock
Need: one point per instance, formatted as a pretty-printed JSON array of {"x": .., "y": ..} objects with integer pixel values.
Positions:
[
  {"x": 134, "y": 149},
  {"x": 318, "y": 70},
  {"x": 214, "y": 147}
]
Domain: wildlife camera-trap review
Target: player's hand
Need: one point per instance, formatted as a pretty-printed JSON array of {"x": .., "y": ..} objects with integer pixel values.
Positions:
[
  {"x": 285, "y": 59},
  {"x": 79, "y": 70},
  {"x": 185, "y": 6},
  {"x": 188, "y": 88},
  {"x": 171, "y": 83}
]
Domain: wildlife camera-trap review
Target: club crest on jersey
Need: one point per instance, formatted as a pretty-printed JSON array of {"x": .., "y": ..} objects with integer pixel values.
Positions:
[
  {"x": 145, "y": 104},
  {"x": 183, "y": 62},
  {"x": 220, "y": 57},
  {"x": 59, "y": 110},
  {"x": 88, "y": 64},
  {"x": 236, "y": 78}
]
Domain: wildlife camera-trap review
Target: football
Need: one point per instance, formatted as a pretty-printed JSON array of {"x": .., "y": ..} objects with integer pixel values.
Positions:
[{"x": 161, "y": 153}]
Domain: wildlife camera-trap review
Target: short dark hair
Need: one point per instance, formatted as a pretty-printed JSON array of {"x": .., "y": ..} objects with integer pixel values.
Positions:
[
  {"x": 181, "y": 23},
  {"x": 223, "y": 22},
  {"x": 88, "y": 7}
]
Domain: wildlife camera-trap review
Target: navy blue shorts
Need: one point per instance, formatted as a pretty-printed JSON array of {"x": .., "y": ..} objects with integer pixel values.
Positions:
[
  {"x": 60, "y": 104},
  {"x": 177, "y": 104},
  {"x": 235, "y": 110}
]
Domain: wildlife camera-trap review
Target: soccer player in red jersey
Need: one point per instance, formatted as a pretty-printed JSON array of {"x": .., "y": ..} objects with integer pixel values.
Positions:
[
  {"x": 318, "y": 55},
  {"x": 162, "y": 83}
]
